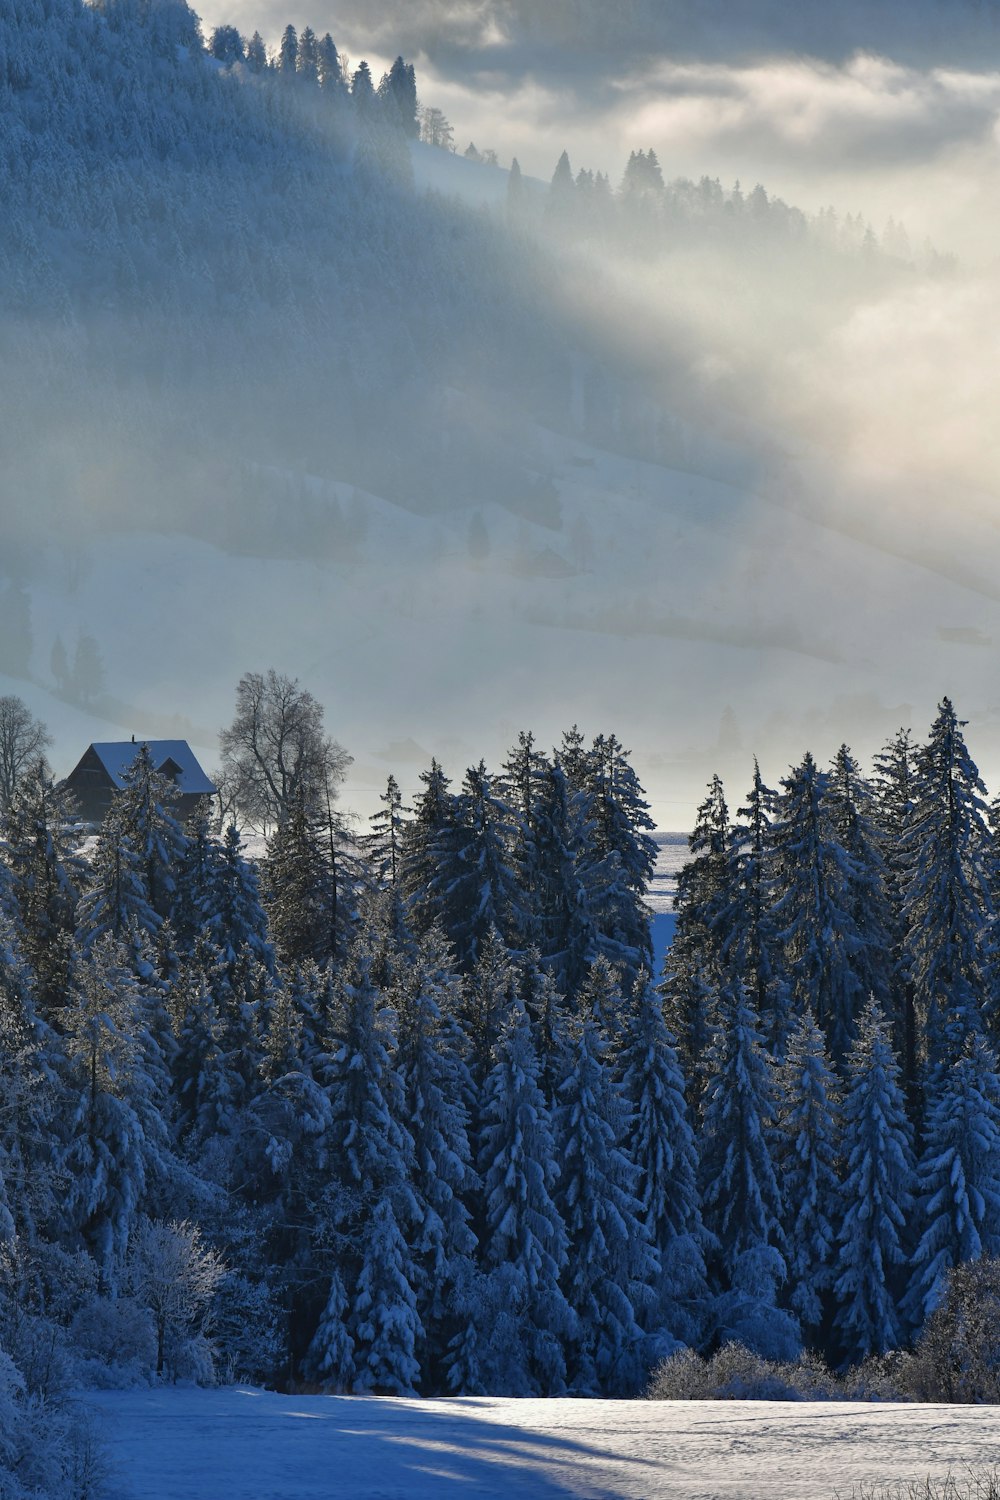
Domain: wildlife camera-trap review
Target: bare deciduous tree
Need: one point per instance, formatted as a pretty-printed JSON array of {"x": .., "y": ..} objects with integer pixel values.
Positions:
[
  {"x": 275, "y": 750},
  {"x": 23, "y": 741}
]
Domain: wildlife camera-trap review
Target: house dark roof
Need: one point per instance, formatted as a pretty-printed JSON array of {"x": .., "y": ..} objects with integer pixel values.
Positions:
[{"x": 117, "y": 755}]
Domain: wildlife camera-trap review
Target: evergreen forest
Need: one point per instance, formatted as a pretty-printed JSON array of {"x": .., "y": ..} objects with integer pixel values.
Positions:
[{"x": 405, "y": 1110}]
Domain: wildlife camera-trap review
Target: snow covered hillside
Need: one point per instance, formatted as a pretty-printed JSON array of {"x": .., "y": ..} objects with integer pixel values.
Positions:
[
  {"x": 508, "y": 461},
  {"x": 254, "y": 1445},
  {"x": 634, "y": 603}
]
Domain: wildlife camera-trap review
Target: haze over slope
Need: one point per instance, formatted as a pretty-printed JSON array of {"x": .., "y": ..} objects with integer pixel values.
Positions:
[{"x": 683, "y": 462}]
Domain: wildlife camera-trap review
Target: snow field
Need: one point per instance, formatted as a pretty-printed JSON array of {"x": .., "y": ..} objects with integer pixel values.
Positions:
[{"x": 243, "y": 1444}]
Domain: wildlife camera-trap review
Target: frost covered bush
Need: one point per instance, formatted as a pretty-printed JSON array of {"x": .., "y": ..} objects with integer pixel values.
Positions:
[
  {"x": 734, "y": 1373},
  {"x": 957, "y": 1357},
  {"x": 39, "y": 1350},
  {"x": 114, "y": 1343},
  {"x": 48, "y": 1450},
  {"x": 880, "y": 1377}
]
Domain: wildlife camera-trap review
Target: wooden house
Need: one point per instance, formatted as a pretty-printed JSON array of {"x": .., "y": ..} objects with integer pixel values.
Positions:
[{"x": 101, "y": 772}]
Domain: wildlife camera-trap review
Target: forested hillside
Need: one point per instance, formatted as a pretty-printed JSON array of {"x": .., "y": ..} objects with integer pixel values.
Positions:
[
  {"x": 216, "y": 272},
  {"x": 252, "y": 359}
]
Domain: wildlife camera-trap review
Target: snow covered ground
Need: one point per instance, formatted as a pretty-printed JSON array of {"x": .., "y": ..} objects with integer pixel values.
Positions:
[{"x": 241, "y": 1444}]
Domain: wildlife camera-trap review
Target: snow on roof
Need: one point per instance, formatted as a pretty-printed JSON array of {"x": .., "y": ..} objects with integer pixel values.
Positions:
[{"x": 117, "y": 755}]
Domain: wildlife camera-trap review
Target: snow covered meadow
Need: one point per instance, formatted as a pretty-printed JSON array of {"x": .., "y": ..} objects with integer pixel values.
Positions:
[{"x": 246, "y": 1444}]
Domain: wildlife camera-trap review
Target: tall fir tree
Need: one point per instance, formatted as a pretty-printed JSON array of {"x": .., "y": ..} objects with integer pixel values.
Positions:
[
  {"x": 947, "y": 902},
  {"x": 474, "y": 884},
  {"x": 693, "y": 968},
  {"x": 115, "y": 1145},
  {"x": 851, "y": 805},
  {"x": 298, "y": 892},
  {"x": 434, "y": 1086},
  {"x": 958, "y": 1176},
  {"x": 876, "y": 1195},
  {"x": 742, "y": 1201},
  {"x": 558, "y": 874},
  {"x": 523, "y": 1239},
  {"x": 812, "y": 883},
  {"x": 424, "y": 841},
  {"x": 612, "y": 1267},
  {"x": 144, "y": 814},
  {"x": 808, "y": 1159},
  {"x": 661, "y": 1145},
  {"x": 623, "y": 857},
  {"x": 384, "y": 841},
  {"x": 741, "y": 916},
  {"x": 41, "y": 842},
  {"x": 894, "y": 782},
  {"x": 376, "y": 1208}
]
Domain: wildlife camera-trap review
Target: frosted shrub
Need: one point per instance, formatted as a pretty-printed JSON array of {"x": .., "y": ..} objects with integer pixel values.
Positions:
[
  {"x": 681, "y": 1377},
  {"x": 880, "y": 1377},
  {"x": 957, "y": 1357},
  {"x": 114, "y": 1343},
  {"x": 734, "y": 1373},
  {"x": 48, "y": 1450},
  {"x": 39, "y": 1350}
]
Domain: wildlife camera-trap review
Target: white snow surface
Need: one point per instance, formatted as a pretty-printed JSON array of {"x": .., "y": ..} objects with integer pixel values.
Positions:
[{"x": 244, "y": 1444}]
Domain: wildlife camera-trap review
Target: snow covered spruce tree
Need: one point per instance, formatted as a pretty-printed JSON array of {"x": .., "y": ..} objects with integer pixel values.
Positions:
[
  {"x": 623, "y": 855},
  {"x": 115, "y": 1152},
  {"x": 808, "y": 1161},
  {"x": 424, "y": 839},
  {"x": 523, "y": 1321},
  {"x": 549, "y": 1012},
  {"x": 30, "y": 1104},
  {"x": 143, "y": 814},
  {"x": 812, "y": 877},
  {"x": 41, "y": 835},
  {"x": 474, "y": 887},
  {"x": 611, "y": 1266},
  {"x": 237, "y": 920},
  {"x": 202, "y": 1087},
  {"x": 558, "y": 875},
  {"x": 958, "y": 1176},
  {"x": 852, "y": 810},
  {"x": 947, "y": 901},
  {"x": 116, "y": 896},
  {"x": 384, "y": 842},
  {"x": 661, "y": 1145},
  {"x": 520, "y": 780},
  {"x": 893, "y": 781},
  {"x": 196, "y": 879},
  {"x": 488, "y": 994},
  {"x": 741, "y": 917},
  {"x": 876, "y": 1195},
  {"x": 435, "y": 1087},
  {"x": 371, "y": 1208},
  {"x": 297, "y": 885},
  {"x": 693, "y": 968},
  {"x": 741, "y": 1199}
]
